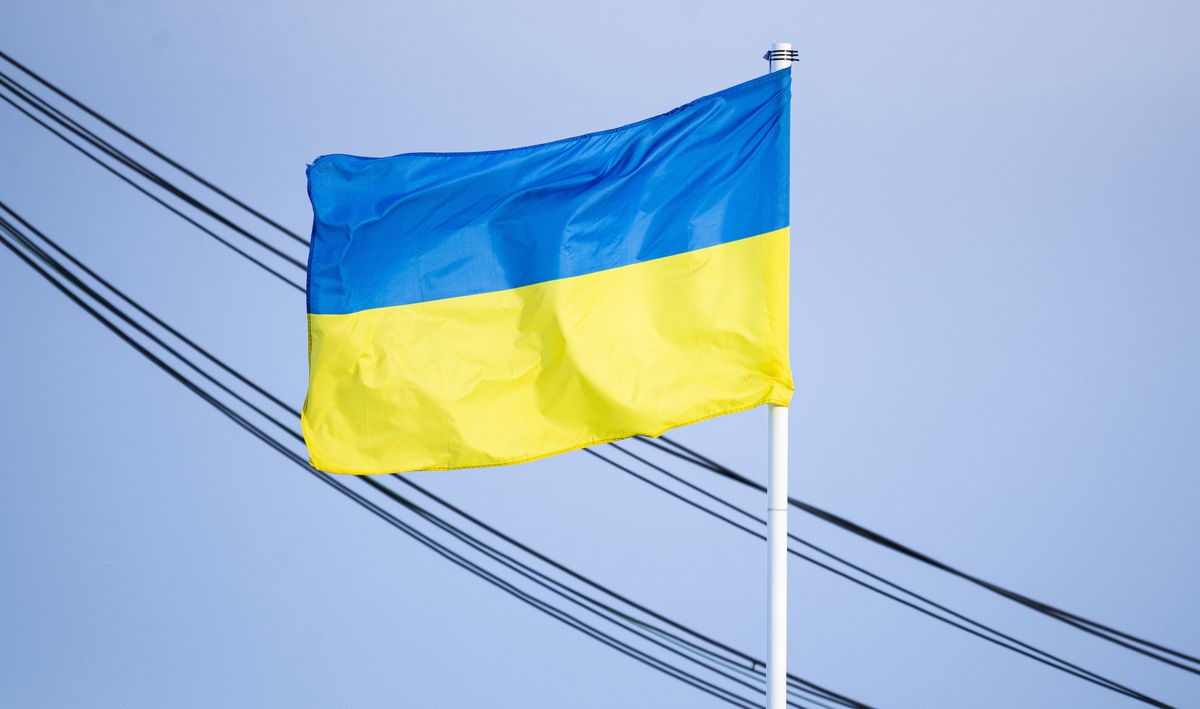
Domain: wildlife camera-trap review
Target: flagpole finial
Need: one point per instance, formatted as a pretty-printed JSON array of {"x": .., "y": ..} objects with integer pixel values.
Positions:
[{"x": 781, "y": 55}]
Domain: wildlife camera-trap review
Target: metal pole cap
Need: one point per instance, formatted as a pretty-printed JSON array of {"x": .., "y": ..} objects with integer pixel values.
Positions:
[{"x": 782, "y": 55}]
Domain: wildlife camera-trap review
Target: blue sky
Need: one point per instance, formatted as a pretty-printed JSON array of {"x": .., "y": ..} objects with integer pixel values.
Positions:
[{"x": 995, "y": 318}]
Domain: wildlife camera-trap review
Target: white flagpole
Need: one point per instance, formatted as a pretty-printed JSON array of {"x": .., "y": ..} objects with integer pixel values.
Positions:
[
  {"x": 777, "y": 509},
  {"x": 780, "y": 56}
]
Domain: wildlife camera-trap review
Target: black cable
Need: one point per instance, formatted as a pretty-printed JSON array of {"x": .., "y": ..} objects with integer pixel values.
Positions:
[
  {"x": 94, "y": 114},
  {"x": 874, "y": 576},
  {"x": 1061, "y": 615},
  {"x": 104, "y": 301},
  {"x": 65, "y": 121},
  {"x": 147, "y": 313},
  {"x": 400, "y": 499},
  {"x": 1091, "y": 627},
  {"x": 550, "y": 584},
  {"x": 698, "y": 459},
  {"x": 690, "y": 485},
  {"x": 520, "y": 569},
  {"x": 154, "y": 197},
  {"x": 562, "y": 616},
  {"x": 92, "y": 293},
  {"x": 754, "y": 662},
  {"x": 107, "y": 304},
  {"x": 59, "y": 117},
  {"x": 258, "y": 410},
  {"x": 74, "y": 280},
  {"x": 1065, "y": 667}
]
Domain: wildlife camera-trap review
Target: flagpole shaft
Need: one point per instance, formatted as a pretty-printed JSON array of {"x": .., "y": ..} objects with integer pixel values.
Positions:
[
  {"x": 777, "y": 510},
  {"x": 780, "y": 57}
]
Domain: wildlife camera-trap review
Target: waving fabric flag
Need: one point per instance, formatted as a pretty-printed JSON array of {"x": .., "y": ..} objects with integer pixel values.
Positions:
[{"x": 475, "y": 309}]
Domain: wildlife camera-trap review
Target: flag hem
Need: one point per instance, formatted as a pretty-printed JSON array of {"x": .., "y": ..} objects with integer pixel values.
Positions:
[{"x": 768, "y": 399}]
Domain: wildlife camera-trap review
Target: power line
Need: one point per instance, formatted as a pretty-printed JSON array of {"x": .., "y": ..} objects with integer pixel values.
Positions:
[
  {"x": 65, "y": 273},
  {"x": 1147, "y": 648},
  {"x": 150, "y": 315},
  {"x": 41, "y": 254},
  {"x": 1102, "y": 681},
  {"x": 65, "y": 121},
  {"x": 755, "y": 662},
  {"x": 556, "y": 587},
  {"x": 1002, "y": 639},
  {"x": 587, "y": 629},
  {"x": 1100, "y": 630},
  {"x": 683, "y": 452},
  {"x": 74, "y": 280},
  {"x": 1121, "y": 638},
  {"x": 50, "y": 111},
  {"x": 142, "y": 144},
  {"x": 209, "y": 232},
  {"x": 228, "y": 244}
]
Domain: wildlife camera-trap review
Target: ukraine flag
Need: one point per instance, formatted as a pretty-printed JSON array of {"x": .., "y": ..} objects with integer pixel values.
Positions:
[{"x": 476, "y": 309}]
